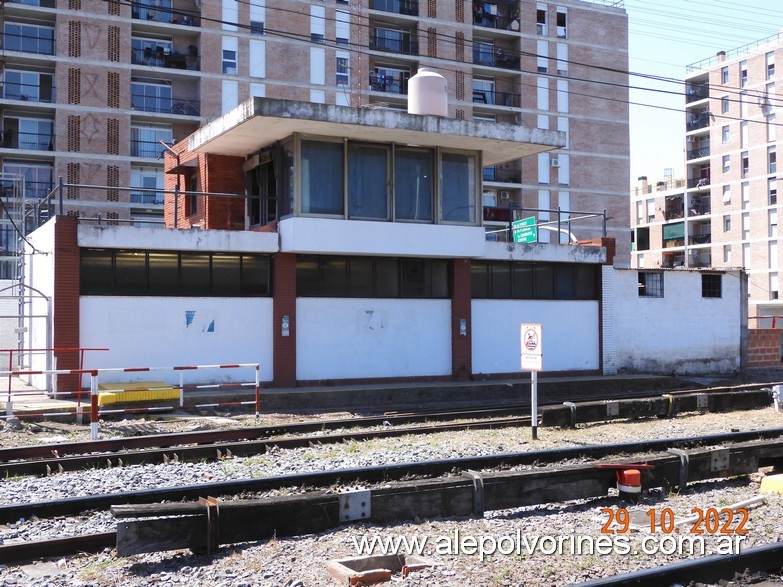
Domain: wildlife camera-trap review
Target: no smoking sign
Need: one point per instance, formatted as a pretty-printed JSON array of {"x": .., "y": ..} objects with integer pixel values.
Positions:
[{"x": 530, "y": 347}]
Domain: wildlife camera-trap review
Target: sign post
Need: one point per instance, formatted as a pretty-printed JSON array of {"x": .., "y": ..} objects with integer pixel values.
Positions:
[{"x": 531, "y": 352}]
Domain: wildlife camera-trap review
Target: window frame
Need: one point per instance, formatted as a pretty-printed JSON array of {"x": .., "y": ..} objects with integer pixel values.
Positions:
[
  {"x": 711, "y": 285},
  {"x": 650, "y": 290}
]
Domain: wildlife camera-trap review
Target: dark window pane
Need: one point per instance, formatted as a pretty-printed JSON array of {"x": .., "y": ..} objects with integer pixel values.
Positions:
[
  {"x": 545, "y": 282},
  {"x": 523, "y": 281},
  {"x": 334, "y": 277},
  {"x": 131, "y": 272},
  {"x": 586, "y": 282},
  {"x": 440, "y": 279},
  {"x": 360, "y": 277},
  {"x": 322, "y": 178},
  {"x": 255, "y": 276},
  {"x": 226, "y": 275},
  {"x": 387, "y": 278},
  {"x": 414, "y": 282},
  {"x": 367, "y": 181},
  {"x": 164, "y": 274},
  {"x": 413, "y": 185},
  {"x": 564, "y": 282},
  {"x": 194, "y": 271},
  {"x": 500, "y": 274},
  {"x": 97, "y": 275},
  {"x": 458, "y": 188},
  {"x": 307, "y": 280},
  {"x": 479, "y": 279}
]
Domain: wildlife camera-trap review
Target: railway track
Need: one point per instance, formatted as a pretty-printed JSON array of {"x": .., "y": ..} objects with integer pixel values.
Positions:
[{"x": 49, "y": 459}]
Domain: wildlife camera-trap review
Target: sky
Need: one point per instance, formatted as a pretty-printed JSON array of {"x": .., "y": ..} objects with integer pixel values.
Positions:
[{"x": 664, "y": 37}]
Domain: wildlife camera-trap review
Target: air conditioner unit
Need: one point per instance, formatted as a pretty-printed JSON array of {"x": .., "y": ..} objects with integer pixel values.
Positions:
[
  {"x": 505, "y": 194},
  {"x": 555, "y": 162},
  {"x": 691, "y": 139}
]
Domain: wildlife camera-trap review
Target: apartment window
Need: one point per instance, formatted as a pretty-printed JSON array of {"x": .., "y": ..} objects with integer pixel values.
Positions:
[
  {"x": 744, "y": 134},
  {"x": 725, "y": 134},
  {"x": 727, "y": 194},
  {"x": 341, "y": 67},
  {"x": 148, "y": 185},
  {"x": 770, "y": 57},
  {"x": 745, "y": 161},
  {"x": 727, "y": 253},
  {"x": 230, "y": 55},
  {"x": 146, "y": 138},
  {"x": 743, "y": 100},
  {"x": 773, "y": 254},
  {"x": 541, "y": 21},
  {"x": 726, "y": 223},
  {"x": 651, "y": 284},
  {"x": 413, "y": 185},
  {"x": 650, "y": 210},
  {"x": 562, "y": 31},
  {"x": 28, "y": 38},
  {"x": 639, "y": 212},
  {"x": 542, "y": 56},
  {"x": 484, "y": 90},
  {"x": 29, "y": 86},
  {"x": 724, "y": 75},
  {"x": 745, "y": 190},
  {"x": 724, "y": 104},
  {"x": 322, "y": 177},
  {"x": 368, "y": 171},
  {"x": 773, "y": 285},
  {"x": 458, "y": 187},
  {"x": 257, "y": 18},
  {"x": 317, "y": 23},
  {"x": 643, "y": 238},
  {"x": 772, "y": 191},
  {"x": 711, "y": 285},
  {"x": 745, "y": 226},
  {"x": 771, "y": 129},
  {"x": 371, "y": 277},
  {"x": 726, "y": 163},
  {"x": 743, "y": 73},
  {"x": 773, "y": 223},
  {"x": 106, "y": 272},
  {"x": 38, "y": 177},
  {"x": 342, "y": 27},
  {"x": 772, "y": 158}
]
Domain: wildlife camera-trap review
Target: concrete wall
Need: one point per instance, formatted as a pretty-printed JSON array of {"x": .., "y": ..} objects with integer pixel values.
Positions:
[
  {"x": 356, "y": 338},
  {"x": 681, "y": 332},
  {"x": 39, "y": 274},
  {"x": 9, "y": 309},
  {"x": 154, "y": 332},
  {"x": 569, "y": 334}
]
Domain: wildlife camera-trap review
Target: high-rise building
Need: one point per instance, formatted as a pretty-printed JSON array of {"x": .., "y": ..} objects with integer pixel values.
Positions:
[
  {"x": 93, "y": 89},
  {"x": 725, "y": 212}
]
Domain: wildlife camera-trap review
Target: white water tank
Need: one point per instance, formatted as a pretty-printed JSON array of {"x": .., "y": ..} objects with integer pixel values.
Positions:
[{"x": 427, "y": 93}]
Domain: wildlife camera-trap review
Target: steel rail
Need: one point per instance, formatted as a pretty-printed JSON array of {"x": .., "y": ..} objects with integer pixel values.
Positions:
[
  {"x": 379, "y": 473},
  {"x": 708, "y": 569}
]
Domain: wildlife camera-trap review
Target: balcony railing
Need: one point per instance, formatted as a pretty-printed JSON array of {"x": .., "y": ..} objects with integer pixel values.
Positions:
[
  {"x": 497, "y": 59},
  {"x": 11, "y": 90},
  {"x": 697, "y": 92},
  {"x": 702, "y": 210},
  {"x": 697, "y": 122},
  {"x": 673, "y": 242},
  {"x": 700, "y": 239},
  {"x": 165, "y": 105},
  {"x": 406, "y": 7},
  {"x": 674, "y": 214},
  {"x": 405, "y": 45},
  {"x": 149, "y": 149},
  {"x": 698, "y": 153},
  {"x": 172, "y": 59},
  {"x": 27, "y": 140},
  {"x": 146, "y": 197},
  {"x": 40, "y": 3},
  {"x": 502, "y": 175},
  {"x": 494, "y": 16},
  {"x": 494, "y": 98},
  {"x": 164, "y": 15},
  {"x": 29, "y": 43},
  {"x": 699, "y": 182},
  {"x": 391, "y": 84}
]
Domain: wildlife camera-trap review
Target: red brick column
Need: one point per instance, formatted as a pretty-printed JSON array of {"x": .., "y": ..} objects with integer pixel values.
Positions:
[
  {"x": 284, "y": 302},
  {"x": 461, "y": 352},
  {"x": 65, "y": 308},
  {"x": 764, "y": 347}
]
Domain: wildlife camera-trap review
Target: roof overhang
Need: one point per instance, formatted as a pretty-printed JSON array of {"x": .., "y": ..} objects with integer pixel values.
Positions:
[{"x": 260, "y": 122}]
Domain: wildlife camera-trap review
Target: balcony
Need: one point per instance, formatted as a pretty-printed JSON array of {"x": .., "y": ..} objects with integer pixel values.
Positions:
[
  {"x": 501, "y": 175},
  {"x": 390, "y": 84},
  {"x": 494, "y": 16},
  {"x": 393, "y": 42},
  {"x": 147, "y": 147},
  {"x": 700, "y": 239},
  {"x": 406, "y": 7},
  {"x": 489, "y": 56},
  {"x": 493, "y": 98},
  {"x": 162, "y": 105},
  {"x": 165, "y": 15},
  {"x": 697, "y": 153},
  {"x": 702, "y": 209},
  {"x": 697, "y": 120},
  {"x": 699, "y": 182},
  {"x": 146, "y": 197},
  {"x": 165, "y": 56},
  {"x": 27, "y": 140},
  {"x": 673, "y": 243},
  {"x": 28, "y": 39},
  {"x": 27, "y": 87},
  {"x": 697, "y": 92},
  {"x": 38, "y": 3}
]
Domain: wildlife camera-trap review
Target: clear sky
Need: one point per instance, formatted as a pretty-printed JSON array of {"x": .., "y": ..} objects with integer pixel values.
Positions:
[{"x": 665, "y": 36}]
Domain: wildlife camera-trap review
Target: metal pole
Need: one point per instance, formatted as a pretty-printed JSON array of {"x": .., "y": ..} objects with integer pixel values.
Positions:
[
  {"x": 176, "y": 202},
  {"x": 60, "y": 188},
  {"x": 604, "y": 222},
  {"x": 510, "y": 222},
  {"x": 94, "y": 405},
  {"x": 181, "y": 389},
  {"x": 258, "y": 398},
  {"x": 534, "y": 403},
  {"x": 559, "y": 238}
]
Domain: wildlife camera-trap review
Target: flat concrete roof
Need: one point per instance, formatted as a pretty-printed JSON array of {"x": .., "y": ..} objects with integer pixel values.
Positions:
[{"x": 260, "y": 122}]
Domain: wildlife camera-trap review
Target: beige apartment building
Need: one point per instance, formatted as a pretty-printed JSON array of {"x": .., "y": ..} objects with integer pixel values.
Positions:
[
  {"x": 725, "y": 212},
  {"x": 92, "y": 90}
]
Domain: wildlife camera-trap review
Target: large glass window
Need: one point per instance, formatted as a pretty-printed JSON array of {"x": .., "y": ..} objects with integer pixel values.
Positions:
[
  {"x": 458, "y": 187},
  {"x": 368, "y": 180},
  {"x": 413, "y": 184},
  {"x": 151, "y": 97},
  {"x": 28, "y": 38},
  {"x": 515, "y": 280},
  {"x": 322, "y": 177}
]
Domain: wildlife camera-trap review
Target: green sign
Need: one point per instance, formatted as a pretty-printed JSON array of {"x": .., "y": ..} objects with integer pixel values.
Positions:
[{"x": 525, "y": 230}]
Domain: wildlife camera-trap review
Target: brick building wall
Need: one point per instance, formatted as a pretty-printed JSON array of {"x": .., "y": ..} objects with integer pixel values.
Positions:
[{"x": 765, "y": 347}]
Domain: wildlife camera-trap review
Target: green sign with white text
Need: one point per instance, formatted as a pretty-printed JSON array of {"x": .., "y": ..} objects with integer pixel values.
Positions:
[{"x": 525, "y": 230}]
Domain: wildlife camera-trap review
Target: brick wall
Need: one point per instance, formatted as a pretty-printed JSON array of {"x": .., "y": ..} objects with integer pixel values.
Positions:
[
  {"x": 284, "y": 347},
  {"x": 224, "y": 174},
  {"x": 764, "y": 347},
  {"x": 461, "y": 357},
  {"x": 609, "y": 243},
  {"x": 66, "y": 300}
]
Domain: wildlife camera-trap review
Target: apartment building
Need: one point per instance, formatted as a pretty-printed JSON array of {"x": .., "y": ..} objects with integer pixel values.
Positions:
[
  {"x": 725, "y": 212},
  {"x": 93, "y": 89}
]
